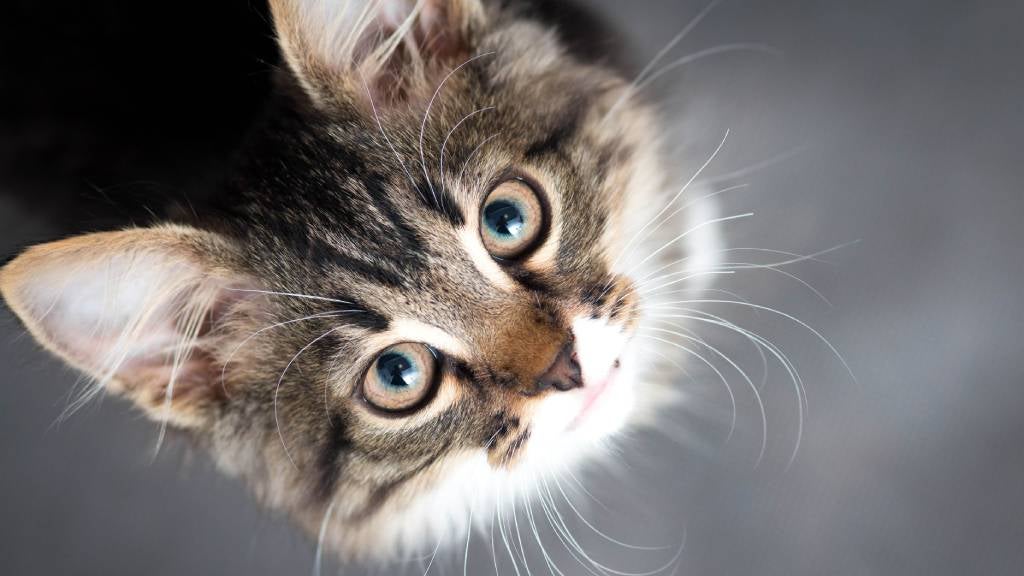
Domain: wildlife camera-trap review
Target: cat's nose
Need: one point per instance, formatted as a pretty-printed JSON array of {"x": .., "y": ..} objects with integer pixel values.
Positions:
[{"x": 564, "y": 373}]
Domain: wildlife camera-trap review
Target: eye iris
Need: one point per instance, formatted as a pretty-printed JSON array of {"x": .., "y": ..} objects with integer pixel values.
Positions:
[
  {"x": 511, "y": 220},
  {"x": 401, "y": 377},
  {"x": 397, "y": 371},
  {"x": 505, "y": 219}
]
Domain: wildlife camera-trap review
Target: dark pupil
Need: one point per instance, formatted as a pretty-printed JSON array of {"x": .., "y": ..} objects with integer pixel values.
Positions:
[
  {"x": 504, "y": 218},
  {"x": 396, "y": 370}
]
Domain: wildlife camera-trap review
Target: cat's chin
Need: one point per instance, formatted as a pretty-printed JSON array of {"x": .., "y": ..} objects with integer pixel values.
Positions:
[{"x": 574, "y": 426}]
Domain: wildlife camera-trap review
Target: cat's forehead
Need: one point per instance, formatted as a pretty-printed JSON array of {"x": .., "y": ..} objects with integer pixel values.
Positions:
[{"x": 378, "y": 205}]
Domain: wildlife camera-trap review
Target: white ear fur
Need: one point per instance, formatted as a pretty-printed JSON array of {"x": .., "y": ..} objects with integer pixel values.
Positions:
[
  {"x": 333, "y": 45},
  {"x": 128, "y": 309}
]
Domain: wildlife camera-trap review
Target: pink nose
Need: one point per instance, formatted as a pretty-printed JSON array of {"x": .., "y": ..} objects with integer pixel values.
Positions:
[{"x": 564, "y": 373}]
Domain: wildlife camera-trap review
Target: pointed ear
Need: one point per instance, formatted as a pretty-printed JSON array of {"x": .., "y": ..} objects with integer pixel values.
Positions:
[
  {"x": 133, "y": 310},
  {"x": 334, "y": 46}
]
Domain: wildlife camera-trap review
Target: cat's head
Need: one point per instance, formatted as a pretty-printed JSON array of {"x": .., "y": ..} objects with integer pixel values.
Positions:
[{"x": 412, "y": 289}]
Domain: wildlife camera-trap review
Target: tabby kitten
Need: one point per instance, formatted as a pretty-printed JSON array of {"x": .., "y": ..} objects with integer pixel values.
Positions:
[{"x": 419, "y": 287}]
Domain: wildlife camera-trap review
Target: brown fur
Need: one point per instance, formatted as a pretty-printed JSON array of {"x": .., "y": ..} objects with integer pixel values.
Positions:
[{"x": 330, "y": 200}]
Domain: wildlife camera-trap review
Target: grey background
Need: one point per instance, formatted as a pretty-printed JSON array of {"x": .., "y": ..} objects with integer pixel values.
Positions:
[{"x": 898, "y": 124}]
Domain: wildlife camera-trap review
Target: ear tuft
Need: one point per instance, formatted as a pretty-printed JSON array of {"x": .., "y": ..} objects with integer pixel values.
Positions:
[
  {"x": 132, "y": 310},
  {"x": 334, "y": 46}
]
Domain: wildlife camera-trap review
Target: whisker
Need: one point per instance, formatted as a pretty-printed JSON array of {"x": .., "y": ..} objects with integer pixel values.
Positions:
[
  {"x": 440, "y": 538},
  {"x": 668, "y": 218},
  {"x": 291, "y": 294},
  {"x": 816, "y": 333},
  {"x": 743, "y": 374},
  {"x": 318, "y": 557},
  {"x": 444, "y": 144},
  {"x": 630, "y": 90},
  {"x": 763, "y": 344},
  {"x": 519, "y": 534},
  {"x": 690, "y": 231},
  {"x": 494, "y": 552},
  {"x": 223, "y": 370},
  {"x": 473, "y": 154},
  {"x": 701, "y": 54},
  {"x": 426, "y": 116},
  {"x": 277, "y": 389},
  {"x": 681, "y": 191},
  {"x": 795, "y": 258},
  {"x": 747, "y": 170},
  {"x": 706, "y": 362},
  {"x": 380, "y": 127},
  {"x": 469, "y": 537},
  {"x": 593, "y": 528},
  {"x": 562, "y": 531}
]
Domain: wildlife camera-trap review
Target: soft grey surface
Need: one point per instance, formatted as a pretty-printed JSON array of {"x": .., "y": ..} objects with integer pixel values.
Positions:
[{"x": 904, "y": 120}]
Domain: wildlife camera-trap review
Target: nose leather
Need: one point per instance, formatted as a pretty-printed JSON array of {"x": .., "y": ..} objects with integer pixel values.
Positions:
[{"x": 564, "y": 373}]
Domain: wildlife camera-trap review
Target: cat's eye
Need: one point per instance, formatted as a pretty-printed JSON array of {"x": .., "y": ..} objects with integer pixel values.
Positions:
[
  {"x": 401, "y": 377},
  {"x": 511, "y": 220}
]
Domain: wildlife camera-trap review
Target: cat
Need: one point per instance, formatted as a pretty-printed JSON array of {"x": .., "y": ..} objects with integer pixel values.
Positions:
[{"x": 425, "y": 281}]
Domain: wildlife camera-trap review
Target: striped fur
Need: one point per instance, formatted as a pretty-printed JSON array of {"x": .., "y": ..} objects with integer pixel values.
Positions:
[{"x": 350, "y": 224}]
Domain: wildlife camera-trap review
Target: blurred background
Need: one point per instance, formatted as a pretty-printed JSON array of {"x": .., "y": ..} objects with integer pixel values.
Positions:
[{"x": 895, "y": 124}]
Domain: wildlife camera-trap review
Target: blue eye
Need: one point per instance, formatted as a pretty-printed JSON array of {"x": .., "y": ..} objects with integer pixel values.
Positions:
[
  {"x": 397, "y": 370},
  {"x": 511, "y": 219},
  {"x": 401, "y": 377},
  {"x": 504, "y": 219}
]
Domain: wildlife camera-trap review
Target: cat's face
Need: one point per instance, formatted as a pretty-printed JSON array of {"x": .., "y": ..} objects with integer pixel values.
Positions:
[{"x": 411, "y": 290}]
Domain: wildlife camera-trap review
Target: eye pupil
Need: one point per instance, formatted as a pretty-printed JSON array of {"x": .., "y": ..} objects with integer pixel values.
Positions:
[
  {"x": 401, "y": 377},
  {"x": 511, "y": 220},
  {"x": 397, "y": 371},
  {"x": 505, "y": 218}
]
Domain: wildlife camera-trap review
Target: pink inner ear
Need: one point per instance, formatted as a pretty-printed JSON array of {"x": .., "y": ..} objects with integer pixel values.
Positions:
[
  {"x": 112, "y": 309},
  {"x": 126, "y": 307},
  {"x": 334, "y": 47}
]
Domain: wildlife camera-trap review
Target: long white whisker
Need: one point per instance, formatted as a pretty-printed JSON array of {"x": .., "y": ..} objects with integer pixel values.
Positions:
[
  {"x": 551, "y": 564},
  {"x": 318, "y": 558},
  {"x": 790, "y": 317},
  {"x": 380, "y": 127},
  {"x": 596, "y": 530},
  {"x": 426, "y": 116},
  {"x": 607, "y": 569},
  {"x": 519, "y": 534},
  {"x": 440, "y": 538},
  {"x": 473, "y": 154},
  {"x": 292, "y": 294},
  {"x": 743, "y": 374},
  {"x": 563, "y": 533},
  {"x": 444, "y": 144},
  {"x": 763, "y": 344},
  {"x": 277, "y": 389},
  {"x": 630, "y": 90},
  {"x": 668, "y": 218},
  {"x": 747, "y": 170},
  {"x": 494, "y": 549},
  {"x": 672, "y": 201},
  {"x": 224, "y": 367},
  {"x": 690, "y": 58},
  {"x": 686, "y": 233},
  {"x": 721, "y": 377},
  {"x": 469, "y": 537}
]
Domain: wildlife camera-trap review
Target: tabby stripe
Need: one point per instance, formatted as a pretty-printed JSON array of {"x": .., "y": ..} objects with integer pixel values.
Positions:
[
  {"x": 568, "y": 124},
  {"x": 337, "y": 443},
  {"x": 445, "y": 204}
]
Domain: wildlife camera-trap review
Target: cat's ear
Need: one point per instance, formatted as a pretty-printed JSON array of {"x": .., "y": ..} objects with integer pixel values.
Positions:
[
  {"x": 386, "y": 47},
  {"x": 133, "y": 310}
]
